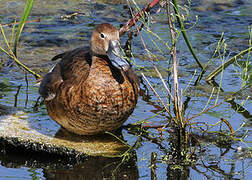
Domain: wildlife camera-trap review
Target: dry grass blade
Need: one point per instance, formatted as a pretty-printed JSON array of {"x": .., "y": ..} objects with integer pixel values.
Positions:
[
  {"x": 177, "y": 99},
  {"x": 165, "y": 85},
  {"x": 156, "y": 94},
  {"x": 16, "y": 23}
]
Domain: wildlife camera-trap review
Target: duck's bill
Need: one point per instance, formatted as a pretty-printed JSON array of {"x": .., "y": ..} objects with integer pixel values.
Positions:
[{"x": 115, "y": 55}]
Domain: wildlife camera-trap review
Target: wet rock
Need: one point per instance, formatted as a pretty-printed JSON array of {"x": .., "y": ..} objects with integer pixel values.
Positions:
[{"x": 17, "y": 133}]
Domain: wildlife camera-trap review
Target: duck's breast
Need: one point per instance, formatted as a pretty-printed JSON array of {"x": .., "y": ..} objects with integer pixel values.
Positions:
[{"x": 107, "y": 92}]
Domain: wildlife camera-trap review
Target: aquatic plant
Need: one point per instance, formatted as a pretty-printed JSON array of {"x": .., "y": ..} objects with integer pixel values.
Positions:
[
  {"x": 180, "y": 125},
  {"x": 10, "y": 51}
]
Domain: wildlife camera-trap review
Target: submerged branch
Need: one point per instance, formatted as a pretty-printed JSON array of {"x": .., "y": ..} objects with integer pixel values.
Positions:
[
  {"x": 222, "y": 67},
  {"x": 239, "y": 109},
  {"x": 16, "y": 23},
  {"x": 229, "y": 126},
  {"x": 235, "y": 106}
]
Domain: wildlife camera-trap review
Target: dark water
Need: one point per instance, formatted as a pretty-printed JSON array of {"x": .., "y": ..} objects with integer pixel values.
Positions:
[{"x": 54, "y": 34}]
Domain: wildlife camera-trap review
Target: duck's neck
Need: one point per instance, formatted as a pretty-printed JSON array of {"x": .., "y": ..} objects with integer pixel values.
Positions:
[
  {"x": 105, "y": 57},
  {"x": 104, "y": 66},
  {"x": 100, "y": 61}
]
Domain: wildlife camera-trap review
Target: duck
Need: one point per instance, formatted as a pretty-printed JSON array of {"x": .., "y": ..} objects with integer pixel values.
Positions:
[{"x": 91, "y": 90}]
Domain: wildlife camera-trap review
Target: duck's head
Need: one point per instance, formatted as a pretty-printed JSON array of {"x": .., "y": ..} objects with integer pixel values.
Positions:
[{"x": 105, "y": 41}]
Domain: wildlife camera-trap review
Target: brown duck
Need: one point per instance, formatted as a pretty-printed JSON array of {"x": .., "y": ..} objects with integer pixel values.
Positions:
[{"x": 91, "y": 90}]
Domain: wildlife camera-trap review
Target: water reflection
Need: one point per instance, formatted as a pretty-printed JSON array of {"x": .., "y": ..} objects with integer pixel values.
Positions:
[
  {"x": 59, "y": 169},
  {"x": 178, "y": 173},
  {"x": 97, "y": 168}
]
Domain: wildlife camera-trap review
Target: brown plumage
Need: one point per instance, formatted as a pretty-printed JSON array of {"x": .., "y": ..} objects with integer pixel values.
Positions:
[{"x": 91, "y": 90}]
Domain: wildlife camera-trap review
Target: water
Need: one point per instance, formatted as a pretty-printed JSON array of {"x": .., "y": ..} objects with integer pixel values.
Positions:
[{"x": 55, "y": 34}]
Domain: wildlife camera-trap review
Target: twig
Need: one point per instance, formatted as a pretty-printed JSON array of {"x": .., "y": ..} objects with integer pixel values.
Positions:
[
  {"x": 37, "y": 104},
  {"x": 177, "y": 100},
  {"x": 162, "y": 79},
  {"x": 127, "y": 46},
  {"x": 229, "y": 126},
  {"x": 27, "y": 88},
  {"x": 148, "y": 53},
  {"x": 153, "y": 166},
  {"x": 160, "y": 99},
  {"x": 208, "y": 109},
  {"x": 138, "y": 30},
  {"x": 154, "y": 126},
  {"x": 181, "y": 25},
  {"x": 239, "y": 108},
  {"x": 134, "y": 19},
  {"x": 15, "y": 23},
  {"x": 143, "y": 134},
  {"x": 16, "y": 95}
]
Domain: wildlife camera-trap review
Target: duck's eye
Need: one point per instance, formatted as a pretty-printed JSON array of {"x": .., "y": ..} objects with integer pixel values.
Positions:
[{"x": 102, "y": 35}]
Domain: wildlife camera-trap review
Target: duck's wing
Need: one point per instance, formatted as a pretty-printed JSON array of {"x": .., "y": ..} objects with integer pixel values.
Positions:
[
  {"x": 50, "y": 83},
  {"x": 134, "y": 80},
  {"x": 73, "y": 67}
]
